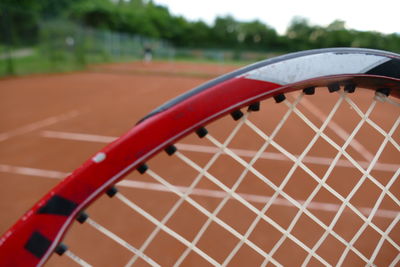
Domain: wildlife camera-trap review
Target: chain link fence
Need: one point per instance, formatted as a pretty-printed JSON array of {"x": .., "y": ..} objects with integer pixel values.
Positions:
[
  {"x": 63, "y": 45},
  {"x": 58, "y": 45}
]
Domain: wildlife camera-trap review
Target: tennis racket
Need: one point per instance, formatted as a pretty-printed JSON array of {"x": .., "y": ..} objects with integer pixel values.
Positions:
[{"x": 290, "y": 161}]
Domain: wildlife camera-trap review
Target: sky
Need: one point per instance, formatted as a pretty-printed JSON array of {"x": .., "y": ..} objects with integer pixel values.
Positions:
[{"x": 363, "y": 15}]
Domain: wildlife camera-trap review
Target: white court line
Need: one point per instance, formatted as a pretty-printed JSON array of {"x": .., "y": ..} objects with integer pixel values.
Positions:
[
  {"x": 78, "y": 136},
  {"x": 212, "y": 150},
  {"x": 321, "y": 206},
  {"x": 37, "y": 125},
  {"x": 32, "y": 171}
]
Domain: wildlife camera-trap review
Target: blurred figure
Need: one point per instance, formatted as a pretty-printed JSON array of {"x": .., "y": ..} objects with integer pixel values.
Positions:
[{"x": 148, "y": 54}]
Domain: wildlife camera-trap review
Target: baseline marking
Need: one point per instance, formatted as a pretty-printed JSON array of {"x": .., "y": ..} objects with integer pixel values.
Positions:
[
  {"x": 321, "y": 206},
  {"x": 212, "y": 150},
  {"x": 37, "y": 125}
]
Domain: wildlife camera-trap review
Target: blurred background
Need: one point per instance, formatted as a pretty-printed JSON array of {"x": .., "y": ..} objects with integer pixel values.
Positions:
[{"x": 64, "y": 35}]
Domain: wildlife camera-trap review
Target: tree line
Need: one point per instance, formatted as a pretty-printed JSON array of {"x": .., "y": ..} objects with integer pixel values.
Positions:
[{"x": 21, "y": 20}]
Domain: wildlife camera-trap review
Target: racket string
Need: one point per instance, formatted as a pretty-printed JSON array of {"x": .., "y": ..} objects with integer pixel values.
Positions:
[
  {"x": 294, "y": 167},
  {"x": 120, "y": 241},
  {"x": 338, "y": 148},
  {"x": 371, "y": 123},
  {"x": 196, "y": 205},
  {"x": 365, "y": 173},
  {"x": 344, "y": 203},
  {"x": 304, "y": 207},
  {"x": 76, "y": 259},
  {"x": 257, "y": 155},
  {"x": 163, "y": 227},
  {"x": 293, "y": 201},
  {"x": 297, "y": 162},
  {"x": 385, "y": 191},
  {"x": 234, "y": 195},
  {"x": 181, "y": 200},
  {"x": 246, "y": 170}
]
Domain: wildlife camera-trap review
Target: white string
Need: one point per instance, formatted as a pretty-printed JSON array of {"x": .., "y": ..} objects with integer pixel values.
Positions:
[
  {"x": 364, "y": 172},
  {"x": 302, "y": 206},
  {"x": 298, "y": 162},
  {"x": 120, "y": 241},
  {"x": 295, "y": 203},
  {"x": 388, "y": 137},
  {"x": 313, "y": 175},
  {"x": 181, "y": 200},
  {"x": 245, "y": 171},
  {"x": 209, "y": 220},
  {"x": 208, "y": 214},
  {"x": 77, "y": 259},
  {"x": 246, "y": 203},
  {"x": 338, "y": 155},
  {"x": 166, "y": 229},
  {"x": 370, "y": 122},
  {"x": 287, "y": 178},
  {"x": 368, "y": 221},
  {"x": 391, "y": 226},
  {"x": 395, "y": 261},
  {"x": 331, "y": 190},
  {"x": 383, "y": 98},
  {"x": 323, "y": 180},
  {"x": 337, "y": 128}
]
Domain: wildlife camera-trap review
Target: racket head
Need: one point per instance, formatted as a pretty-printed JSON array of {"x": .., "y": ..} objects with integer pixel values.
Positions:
[{"x": 37, "y": 234}]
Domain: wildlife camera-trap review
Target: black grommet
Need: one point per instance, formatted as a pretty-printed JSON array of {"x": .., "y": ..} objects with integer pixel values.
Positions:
[
  {"x": 201, "y": 132},
  {"x": 142, "y": 168},
  {"x": 350, "y": 88},
  {"x": 333, "y": 87},
  {"x": 309, "y": 90},
  {"x": 82, "y": 217},
  {"x": 112, "y": 191},
  {"x": 254, "y": 106},
  {"x": 171, "y": 150},
  {"x": 279, "y": 98},
  {"x": 385, "y": 91},
  {"x": 60, "y": 249},
  {"x": 237, "y": 114}
]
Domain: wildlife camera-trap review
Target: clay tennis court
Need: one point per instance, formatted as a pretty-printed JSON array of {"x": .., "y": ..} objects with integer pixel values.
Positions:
[{"x": 50, "y": 124}]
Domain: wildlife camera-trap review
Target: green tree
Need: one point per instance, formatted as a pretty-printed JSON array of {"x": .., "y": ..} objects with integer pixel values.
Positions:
[
  {"x": 299, "y": 34},
  {"x": 256, "y": 35},
  {"x": 225, "y": 32},
  {"x": 19, "y": 21}
]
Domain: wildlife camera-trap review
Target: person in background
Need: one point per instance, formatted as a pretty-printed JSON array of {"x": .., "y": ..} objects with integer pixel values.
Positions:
[{"x": 148, "y": 54}]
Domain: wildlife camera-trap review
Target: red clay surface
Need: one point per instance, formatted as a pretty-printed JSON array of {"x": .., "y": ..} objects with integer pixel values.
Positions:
[{"x": 106, "y": 101}]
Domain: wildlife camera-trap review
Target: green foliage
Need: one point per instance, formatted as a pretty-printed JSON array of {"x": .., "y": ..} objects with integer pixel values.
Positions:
[
  {"x": 21, "y": 19},
  {"x": 17, "y": 25},
  {"x": 256, "y": 35},
  {"x": 301, "y": 35}
]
